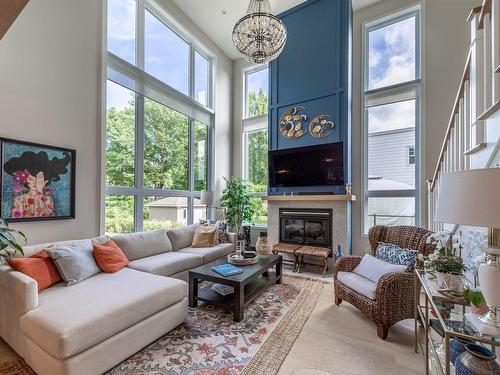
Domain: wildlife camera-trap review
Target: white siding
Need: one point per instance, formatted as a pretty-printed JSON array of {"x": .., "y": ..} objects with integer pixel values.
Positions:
[{"x": 388, "y": 155}]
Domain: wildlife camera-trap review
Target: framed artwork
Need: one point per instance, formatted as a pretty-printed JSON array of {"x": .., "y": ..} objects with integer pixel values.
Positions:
[{"x": 37, "y": 181}]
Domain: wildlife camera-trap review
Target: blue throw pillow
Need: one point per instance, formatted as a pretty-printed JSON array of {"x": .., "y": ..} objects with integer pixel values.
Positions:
[{"x": 394, "y": 254}]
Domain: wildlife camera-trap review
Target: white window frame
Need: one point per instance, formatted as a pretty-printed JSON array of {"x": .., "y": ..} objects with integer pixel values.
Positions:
[
  {"x": 403, "y": 91},
  {"x": 165, "y": 95},
  {"x": 251, "y": 124}
]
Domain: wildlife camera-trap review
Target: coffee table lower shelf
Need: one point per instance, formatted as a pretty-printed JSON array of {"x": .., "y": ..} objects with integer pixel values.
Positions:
[{"x": 251, "y": 291}]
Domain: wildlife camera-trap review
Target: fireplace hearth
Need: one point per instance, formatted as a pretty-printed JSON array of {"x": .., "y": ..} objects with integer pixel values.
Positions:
[{"x": 304, "y": 226}]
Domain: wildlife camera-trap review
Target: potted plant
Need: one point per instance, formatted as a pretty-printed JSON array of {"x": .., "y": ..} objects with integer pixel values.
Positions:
[
  {"x": 236, "y": 200},
  {"x": 477, "y": 302},
  {"x": 448, "y": 267},
  {"x": 8, "y": 242}
]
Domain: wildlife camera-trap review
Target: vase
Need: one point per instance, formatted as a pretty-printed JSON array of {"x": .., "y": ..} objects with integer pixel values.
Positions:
[
  {"x": 476, "y": 360},
  {"x": 457, "y": 347},
  {"x": 263, "y": 246},
  {"x": 449, "y": 281}
]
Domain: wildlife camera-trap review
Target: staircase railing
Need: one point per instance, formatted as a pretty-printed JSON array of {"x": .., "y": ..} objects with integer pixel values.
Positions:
[{"x": 478, "y": 97}]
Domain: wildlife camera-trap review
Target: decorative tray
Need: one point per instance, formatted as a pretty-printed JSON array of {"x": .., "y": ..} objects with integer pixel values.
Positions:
[{"x": 232, "y": 258}]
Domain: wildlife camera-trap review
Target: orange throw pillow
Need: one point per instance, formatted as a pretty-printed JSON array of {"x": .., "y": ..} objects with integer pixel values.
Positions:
[
  {"x": 109, "y": 257},
  {"x": 40, "y": 267}
]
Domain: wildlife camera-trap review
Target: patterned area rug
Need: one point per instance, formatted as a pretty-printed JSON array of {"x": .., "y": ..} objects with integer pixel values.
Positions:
[{"x": 211, "y": 343}]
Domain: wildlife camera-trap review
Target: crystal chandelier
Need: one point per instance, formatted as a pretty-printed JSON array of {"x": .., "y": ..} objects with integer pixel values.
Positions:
[{"x": 259, "y": 36}]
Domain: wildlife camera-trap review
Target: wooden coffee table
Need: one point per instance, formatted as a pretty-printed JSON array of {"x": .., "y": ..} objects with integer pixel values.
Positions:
[{"x": 247, "y": 285}]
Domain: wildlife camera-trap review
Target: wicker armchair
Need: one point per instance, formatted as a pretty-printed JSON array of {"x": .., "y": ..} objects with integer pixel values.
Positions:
[{"x": 394, "y": 295}]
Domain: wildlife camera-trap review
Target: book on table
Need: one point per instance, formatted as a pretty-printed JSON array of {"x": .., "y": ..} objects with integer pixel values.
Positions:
[
  {"x": 222, "y": 289},
  {"x": 227, "y": 270}
]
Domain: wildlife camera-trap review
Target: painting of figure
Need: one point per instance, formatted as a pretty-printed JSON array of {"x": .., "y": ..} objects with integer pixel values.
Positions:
[{"x": 37, "y": 181}]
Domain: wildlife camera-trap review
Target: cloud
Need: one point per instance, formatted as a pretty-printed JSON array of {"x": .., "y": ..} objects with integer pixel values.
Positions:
[
  {"x": 392, "y": 54},
  {"x": 121, "y": 20},
  {"x": 391, "y": 116}
]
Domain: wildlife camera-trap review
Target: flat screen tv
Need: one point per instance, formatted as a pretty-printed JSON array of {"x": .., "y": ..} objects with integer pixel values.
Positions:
[{"x": 321, "y": 165}]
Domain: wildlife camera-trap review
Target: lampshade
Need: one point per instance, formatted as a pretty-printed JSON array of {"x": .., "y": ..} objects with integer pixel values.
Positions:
[
  {"x": 207, "y": 198},
  {"x": 470, "y": 198}
]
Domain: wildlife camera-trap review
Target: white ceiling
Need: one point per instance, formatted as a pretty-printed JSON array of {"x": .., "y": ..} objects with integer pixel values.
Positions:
[{"x": 209, "y": 16}]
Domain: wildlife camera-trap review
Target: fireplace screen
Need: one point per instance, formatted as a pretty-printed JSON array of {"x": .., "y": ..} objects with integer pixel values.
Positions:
[{"x": 306, "y": 226}]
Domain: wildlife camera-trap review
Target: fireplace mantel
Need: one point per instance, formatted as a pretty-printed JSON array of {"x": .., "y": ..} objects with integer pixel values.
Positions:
[{"x": 316, "y": 198}]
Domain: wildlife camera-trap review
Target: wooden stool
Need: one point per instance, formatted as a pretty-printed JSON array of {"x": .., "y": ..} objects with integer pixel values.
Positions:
[
  {"x": 320, "y": 252},
  {"x": 286, "y": 248}
]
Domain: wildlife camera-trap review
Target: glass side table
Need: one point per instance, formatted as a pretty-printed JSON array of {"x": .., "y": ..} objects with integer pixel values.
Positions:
[{"x": 458, "y": 321}]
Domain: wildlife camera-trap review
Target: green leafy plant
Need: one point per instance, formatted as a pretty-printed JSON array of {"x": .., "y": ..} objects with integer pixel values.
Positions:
[
  {"x": 474, "y": 296},
  {"x": 8, "y": 242},
  {"x": 450, "y": 265},
  {"x": 236, "y": 199}
]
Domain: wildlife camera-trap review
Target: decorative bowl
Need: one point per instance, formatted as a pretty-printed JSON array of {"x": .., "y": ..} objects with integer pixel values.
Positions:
[{"x": 233, "y": 259}]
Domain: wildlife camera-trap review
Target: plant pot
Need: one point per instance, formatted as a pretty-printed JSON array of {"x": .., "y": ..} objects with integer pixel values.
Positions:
[
  {"x": 457, "y": 347},
  {"x": 263, "y": 246},
  {"x": 449, "y": 281},
  {"x": 479, "y": 310},
  {"x": 476, "y": 360}
]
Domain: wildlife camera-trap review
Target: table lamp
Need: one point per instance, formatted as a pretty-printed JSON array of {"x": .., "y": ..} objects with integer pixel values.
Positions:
[{"x": 473, "y": 198}]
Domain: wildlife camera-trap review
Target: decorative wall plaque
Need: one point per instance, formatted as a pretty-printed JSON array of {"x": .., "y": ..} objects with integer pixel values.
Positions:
[
  {"x": 321, "y": 126},
  {"x": 291, "y": 123}
]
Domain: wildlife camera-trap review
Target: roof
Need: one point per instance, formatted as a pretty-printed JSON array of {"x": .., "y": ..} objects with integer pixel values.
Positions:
[{"x": 172, "y": 202}]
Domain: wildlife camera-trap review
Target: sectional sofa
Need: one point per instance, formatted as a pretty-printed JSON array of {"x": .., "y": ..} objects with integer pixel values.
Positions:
[{"x": 92, "y": 326}]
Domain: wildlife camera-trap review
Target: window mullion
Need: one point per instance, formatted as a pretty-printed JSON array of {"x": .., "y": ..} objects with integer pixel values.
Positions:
[
  {"x": 139, "y": 164},
  {"x": 140, "y": 38}
]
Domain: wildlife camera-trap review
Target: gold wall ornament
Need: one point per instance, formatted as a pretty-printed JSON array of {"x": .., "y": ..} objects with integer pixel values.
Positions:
[
  {"x": 321, "y": 126},
  {"x": 291, "y": 123}
]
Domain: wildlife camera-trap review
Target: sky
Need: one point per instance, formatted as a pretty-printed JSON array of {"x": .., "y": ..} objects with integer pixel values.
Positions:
[
  {"x": 258, "y": 80},
  {"x": 391, "y": 60}
]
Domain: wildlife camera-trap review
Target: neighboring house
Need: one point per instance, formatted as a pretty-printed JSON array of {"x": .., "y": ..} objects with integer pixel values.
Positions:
[
  {"x": 174, "y": 210},
  {"x": 391, "y": 155}
]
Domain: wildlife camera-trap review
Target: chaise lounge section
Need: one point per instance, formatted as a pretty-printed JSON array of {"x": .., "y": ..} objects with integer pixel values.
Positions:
[{"x": 92, "y": 326}]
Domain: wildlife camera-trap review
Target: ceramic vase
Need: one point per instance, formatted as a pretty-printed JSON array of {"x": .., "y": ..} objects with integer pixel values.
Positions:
[
  {"x": 476, "y": 360},
  {"x": 457, "y": 347}
]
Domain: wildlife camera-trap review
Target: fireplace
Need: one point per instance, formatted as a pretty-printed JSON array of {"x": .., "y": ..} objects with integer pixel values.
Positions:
[{"x": 306, "y": 226}]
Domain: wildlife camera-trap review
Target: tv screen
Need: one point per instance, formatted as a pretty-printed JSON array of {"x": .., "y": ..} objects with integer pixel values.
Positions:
[{"x": 321, "y": 165}]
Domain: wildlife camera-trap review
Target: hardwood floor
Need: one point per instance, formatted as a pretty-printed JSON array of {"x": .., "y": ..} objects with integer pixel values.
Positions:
[{"x": 338, "y": 340}]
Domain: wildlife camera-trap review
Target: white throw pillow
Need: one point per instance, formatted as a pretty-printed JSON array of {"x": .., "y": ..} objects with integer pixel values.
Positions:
[{"x": 373, "y": 268}]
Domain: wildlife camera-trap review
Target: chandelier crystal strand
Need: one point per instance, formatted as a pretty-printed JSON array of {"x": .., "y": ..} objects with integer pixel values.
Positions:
[{"x": 259, "y": 36}]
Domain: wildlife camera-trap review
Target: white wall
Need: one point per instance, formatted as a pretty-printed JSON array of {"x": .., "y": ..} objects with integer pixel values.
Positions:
[
  {"x": 50, "y": 93},
  {"x": 444, "y": 51}
]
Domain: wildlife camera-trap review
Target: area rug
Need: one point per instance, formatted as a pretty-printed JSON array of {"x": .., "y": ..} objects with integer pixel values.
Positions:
[{"x": 211, "y": 343}]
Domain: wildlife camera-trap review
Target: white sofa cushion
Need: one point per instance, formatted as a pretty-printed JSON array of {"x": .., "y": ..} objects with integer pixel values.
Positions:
[
  {"x": 69, "y": 320},
  {"x": 210, "y": 253},
  {"x": 373, "y": 268},
  {"x": 358, "y": 283},
  {"x": 182, "y": 237},
  {"x": 167, "y": 264},
  {"x": 143, "y": 244}
]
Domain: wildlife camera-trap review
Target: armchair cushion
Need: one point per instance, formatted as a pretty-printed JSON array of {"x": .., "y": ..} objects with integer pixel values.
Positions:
[
  {"x": 358, "y": 283},
  {"x": 373, "y": 268}
]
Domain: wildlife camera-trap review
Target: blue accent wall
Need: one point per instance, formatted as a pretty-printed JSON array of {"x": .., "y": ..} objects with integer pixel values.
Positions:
[{"x": 314, "y": 72}]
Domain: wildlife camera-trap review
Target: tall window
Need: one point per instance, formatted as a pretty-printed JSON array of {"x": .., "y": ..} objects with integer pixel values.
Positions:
[
  {"x": 159, "y": 126},
  {"x": 255, "y": 138},
  {"x": 391, "y": 116}
]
